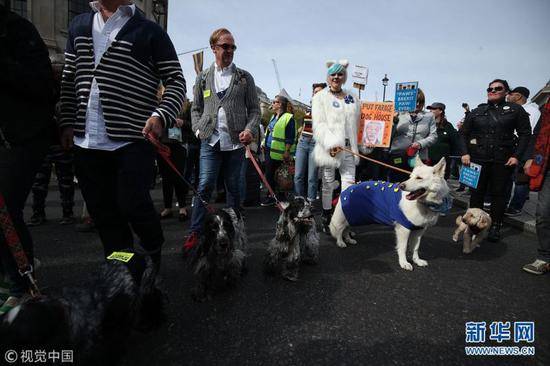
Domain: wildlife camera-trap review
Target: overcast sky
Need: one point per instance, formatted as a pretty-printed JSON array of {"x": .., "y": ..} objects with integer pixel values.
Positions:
[{"x": 452, "y": 48}]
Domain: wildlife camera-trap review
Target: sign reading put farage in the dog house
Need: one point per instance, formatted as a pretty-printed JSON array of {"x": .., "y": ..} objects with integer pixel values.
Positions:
[
  {"x": 405, "y": 96},
  {"x": 469, "y": 175},
  {"x": 376, "y": 124}
]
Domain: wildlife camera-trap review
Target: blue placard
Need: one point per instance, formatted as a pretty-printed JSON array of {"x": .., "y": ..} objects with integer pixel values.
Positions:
[
  {"x": 405, "y": 96},
  {"x": 469, "y": 175}
]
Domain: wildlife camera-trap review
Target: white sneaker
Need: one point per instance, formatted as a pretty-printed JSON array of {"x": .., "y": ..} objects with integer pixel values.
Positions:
[
  {"x": 9, "y": 304},
  {"x": 538, "y": 267}
]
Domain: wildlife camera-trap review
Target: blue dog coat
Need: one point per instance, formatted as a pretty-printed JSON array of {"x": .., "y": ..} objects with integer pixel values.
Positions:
[{"x": 374, "y": 202}]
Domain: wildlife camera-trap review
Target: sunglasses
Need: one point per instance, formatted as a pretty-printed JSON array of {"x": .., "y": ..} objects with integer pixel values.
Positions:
[
  {"x": 495, "y": 90},
  {"x": 340, "y": 74},
  {"x": 275, "y": 102},
  {"x": 227, "y": 47}
]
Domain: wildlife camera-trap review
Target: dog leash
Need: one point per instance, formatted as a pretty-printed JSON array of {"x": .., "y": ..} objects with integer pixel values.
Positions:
[
  {"x": 164, "y": 152},
  {"x": 263, "y": 178},
  {"x": 376, "y": 161},
  {"x": 14, "y": 243}
]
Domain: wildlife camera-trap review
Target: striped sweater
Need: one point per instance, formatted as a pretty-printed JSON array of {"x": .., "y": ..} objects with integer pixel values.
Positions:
[{"x": 128, "y": 76}]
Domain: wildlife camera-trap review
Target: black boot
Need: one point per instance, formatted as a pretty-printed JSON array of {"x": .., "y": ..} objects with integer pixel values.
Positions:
[
  {"x": 494, "y": 232},
  {"x": 325, "y": 219}
]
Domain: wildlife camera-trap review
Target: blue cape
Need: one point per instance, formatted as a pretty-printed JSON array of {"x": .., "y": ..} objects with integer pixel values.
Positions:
[{"x": 374, "y": 202}]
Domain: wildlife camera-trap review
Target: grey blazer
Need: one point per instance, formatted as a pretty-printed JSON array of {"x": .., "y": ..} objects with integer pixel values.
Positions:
[
  {"x": 404, "y": 133},
  {"x": 240, "y": 103}
]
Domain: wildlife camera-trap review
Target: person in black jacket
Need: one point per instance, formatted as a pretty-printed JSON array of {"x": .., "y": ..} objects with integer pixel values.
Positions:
[
  {"x": 487, "y": 138},
  {"x": 27, "y": 94},
  {"x": 447, "y": 138}
]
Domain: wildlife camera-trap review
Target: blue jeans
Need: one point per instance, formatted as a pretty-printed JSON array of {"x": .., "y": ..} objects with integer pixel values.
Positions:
[
  {"x": 192, "y": 164},
  {"x": 242, "y": 181},
  {"x": 521, "y": 193},
  {"x": 212, "y": 160},
  {"x": 305, "y": 166}
]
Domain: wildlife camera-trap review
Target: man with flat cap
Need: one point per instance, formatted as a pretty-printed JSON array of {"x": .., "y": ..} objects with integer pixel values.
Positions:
[
  {"x": 519, "y": 96},
  {"x": 521, "y": 190}
]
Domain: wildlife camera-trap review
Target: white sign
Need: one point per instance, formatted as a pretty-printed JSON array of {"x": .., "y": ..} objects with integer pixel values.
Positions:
[{"x": 360, "y": 74}]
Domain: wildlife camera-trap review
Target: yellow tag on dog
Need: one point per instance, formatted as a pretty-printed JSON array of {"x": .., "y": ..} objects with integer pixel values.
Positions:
[
  {"x": 206, "y": 93},
  {"x": 121, "y": 256}
]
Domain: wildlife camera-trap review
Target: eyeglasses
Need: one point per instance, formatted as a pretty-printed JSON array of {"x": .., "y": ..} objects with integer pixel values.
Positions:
[
  {"x": 227, "y": 47},
  {"x": 495, "y": 89},
  {"x": 340, "y": 74}
]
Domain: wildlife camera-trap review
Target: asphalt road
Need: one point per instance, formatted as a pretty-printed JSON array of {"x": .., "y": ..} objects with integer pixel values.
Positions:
[{"x": 356, "y": 307}]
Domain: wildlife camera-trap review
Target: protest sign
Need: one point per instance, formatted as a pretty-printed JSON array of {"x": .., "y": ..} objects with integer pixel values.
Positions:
[
  {"x": 360, "y": 75},
  {"x": 405, "y": 96},
  {"x": 376, "y": 124},
  {"x": 469, "y": 175}
]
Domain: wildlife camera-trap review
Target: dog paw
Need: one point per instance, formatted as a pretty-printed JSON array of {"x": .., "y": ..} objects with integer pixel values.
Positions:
[
  {"x": 406, "y": 266},
  {"x": 352, "y": 241},
  {"x": 420, "y": 262},
  {"x": 341, "y": 244},
  {"x": 290, "y": 278},
  {"x": 455, "y": 238}
]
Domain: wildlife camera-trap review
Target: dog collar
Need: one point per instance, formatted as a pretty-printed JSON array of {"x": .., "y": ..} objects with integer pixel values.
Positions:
[{"x": 444, "y": 207}]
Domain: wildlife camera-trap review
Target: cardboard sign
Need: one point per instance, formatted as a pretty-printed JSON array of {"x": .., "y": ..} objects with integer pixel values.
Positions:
[
  {"x": 405, "y": 96},
  {"x": 376, "y": 124},
  {"x": 360, "y": 75},
  {"x": 469, "y": 175}
]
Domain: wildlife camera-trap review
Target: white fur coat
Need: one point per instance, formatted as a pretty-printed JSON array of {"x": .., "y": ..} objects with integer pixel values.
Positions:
[{"x": 333, "y": 120}]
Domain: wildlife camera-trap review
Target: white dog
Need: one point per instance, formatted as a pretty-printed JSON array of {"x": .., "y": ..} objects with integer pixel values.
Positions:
[
  {"x": 384, "y": 203},
  {"x": 474, "y": 224}
]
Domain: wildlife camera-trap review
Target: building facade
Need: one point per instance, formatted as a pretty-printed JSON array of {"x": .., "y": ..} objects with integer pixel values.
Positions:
[
  {"x": 542, "y": 96},
  {"x": 52, "y": 18}
]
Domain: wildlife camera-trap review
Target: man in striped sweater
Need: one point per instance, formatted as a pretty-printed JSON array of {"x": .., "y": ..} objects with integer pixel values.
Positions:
[{"x": 115, "y": 61}]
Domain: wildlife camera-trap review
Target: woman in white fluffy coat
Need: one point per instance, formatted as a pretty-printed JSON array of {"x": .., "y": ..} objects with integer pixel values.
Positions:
[{"x": 335, "y": 113}]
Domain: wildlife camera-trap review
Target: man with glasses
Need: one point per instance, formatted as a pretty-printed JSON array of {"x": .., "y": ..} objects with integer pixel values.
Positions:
[
  {"x": 225, "y": 116},
  {"x": 488, "y": 139}
]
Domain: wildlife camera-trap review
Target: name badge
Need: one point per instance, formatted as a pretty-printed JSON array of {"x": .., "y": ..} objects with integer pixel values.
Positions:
[
  {"x": 121, "y": 256},
  {"x": 206, "y": 93}
]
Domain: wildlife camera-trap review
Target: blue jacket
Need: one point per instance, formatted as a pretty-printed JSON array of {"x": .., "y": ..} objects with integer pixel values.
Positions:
[{"x": 374, "y": 202}]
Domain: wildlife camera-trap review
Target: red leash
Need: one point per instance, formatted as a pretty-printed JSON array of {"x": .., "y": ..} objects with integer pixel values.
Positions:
[
  {"x": 164, "y": 152},
  {"x": 263, "y": 178},
  {"x": 16, "y": 249}
]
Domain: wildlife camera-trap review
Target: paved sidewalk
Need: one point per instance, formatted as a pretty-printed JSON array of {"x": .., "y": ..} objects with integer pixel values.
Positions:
[{"x": 525, "y": 221}]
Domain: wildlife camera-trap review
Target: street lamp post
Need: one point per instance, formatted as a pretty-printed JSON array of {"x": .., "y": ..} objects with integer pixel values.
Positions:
[{"x": 385, "y": 83}]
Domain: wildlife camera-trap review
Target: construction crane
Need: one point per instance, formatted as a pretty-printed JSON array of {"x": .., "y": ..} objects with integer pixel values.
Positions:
[{"x": 277, "y": 74}]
